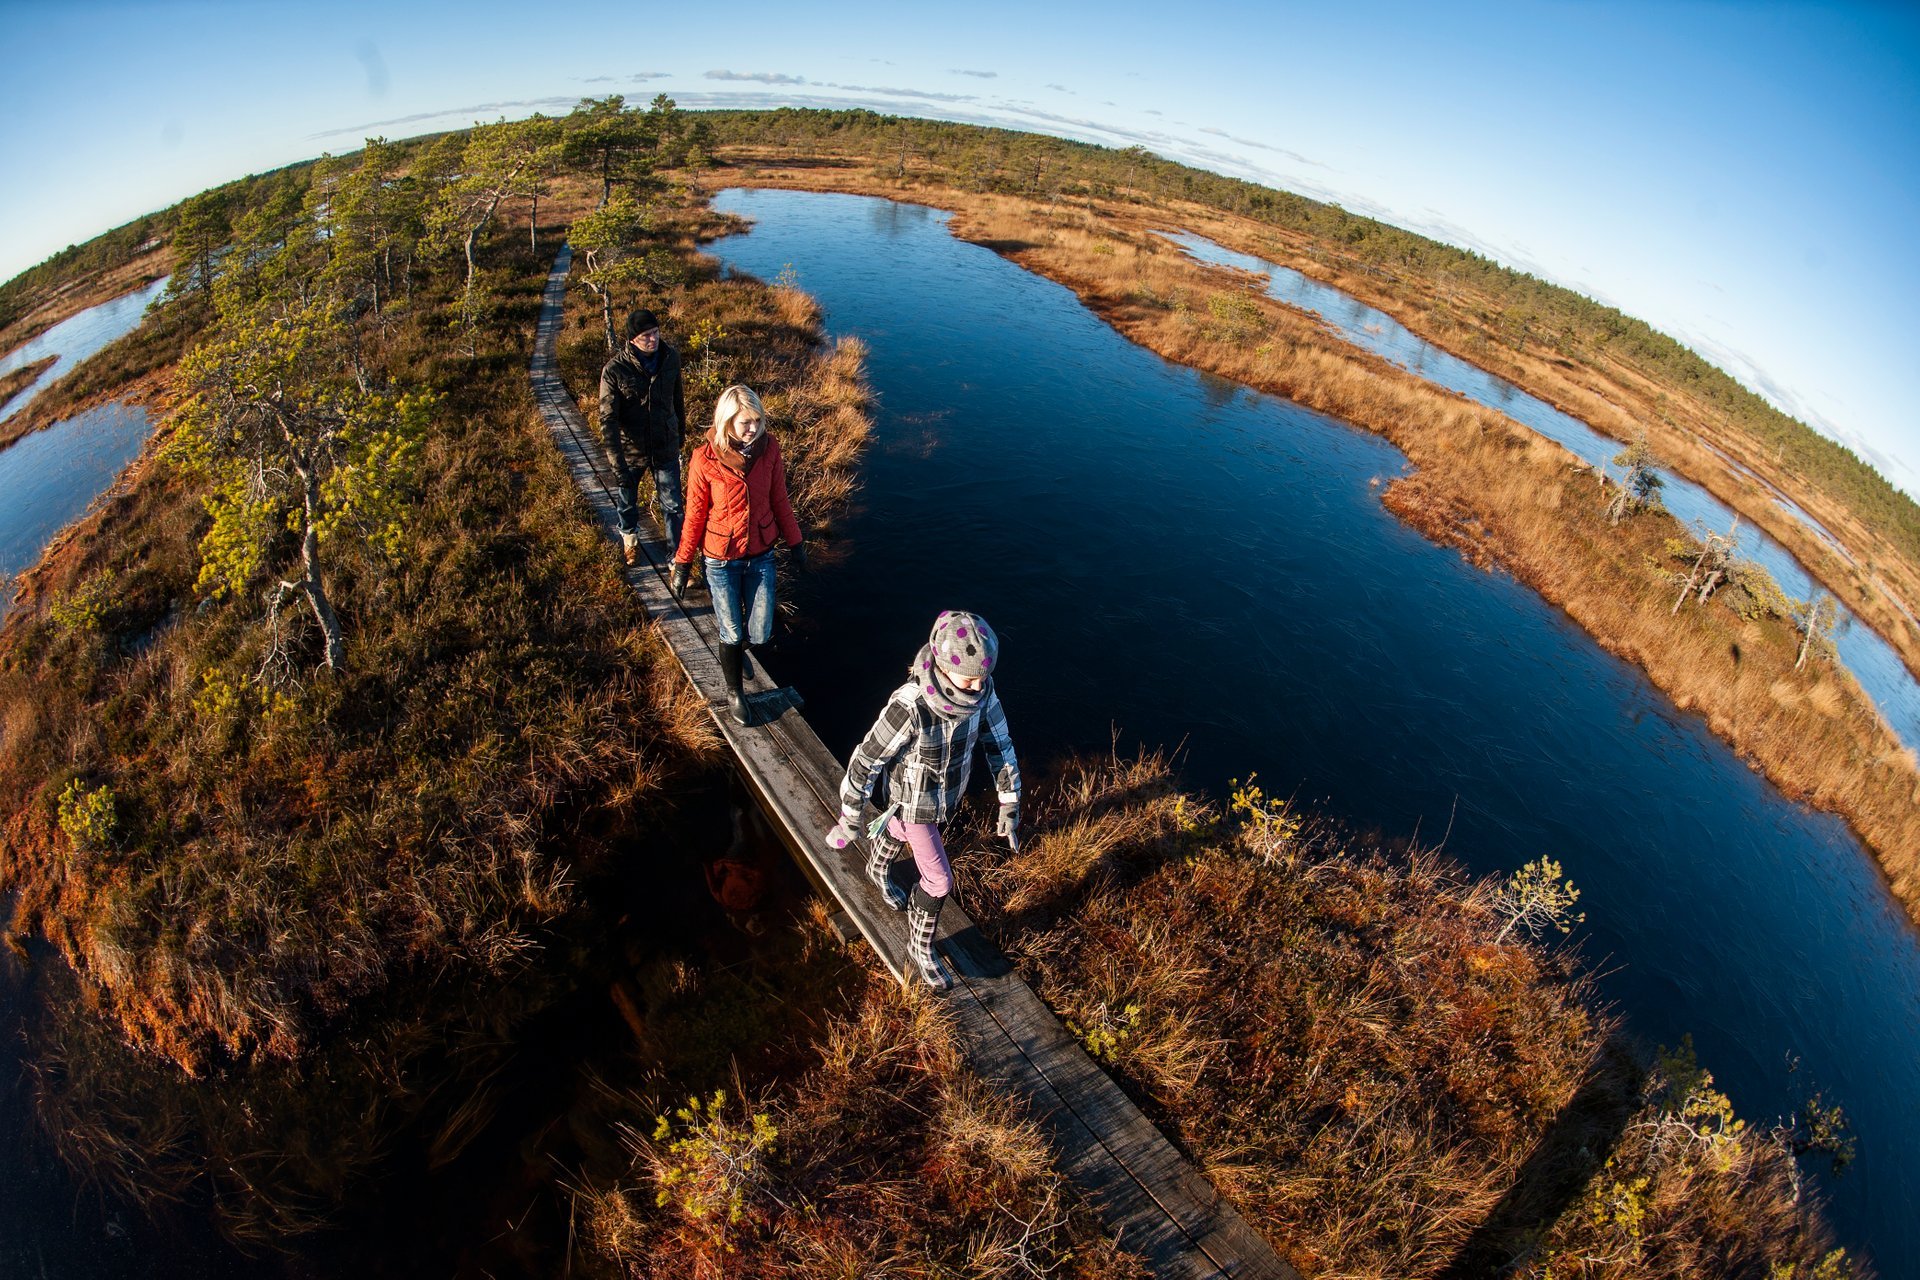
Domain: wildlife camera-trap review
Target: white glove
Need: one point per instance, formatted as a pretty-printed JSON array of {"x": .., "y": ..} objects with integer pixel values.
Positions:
[{"x": 841, "y": 834}]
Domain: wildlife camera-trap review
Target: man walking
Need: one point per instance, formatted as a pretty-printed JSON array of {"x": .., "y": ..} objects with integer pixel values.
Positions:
[{"x": 642, "y": 407}]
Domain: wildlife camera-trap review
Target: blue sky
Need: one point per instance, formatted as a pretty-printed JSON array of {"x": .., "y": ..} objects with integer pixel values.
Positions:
[{"x": 1745, "y": 176}]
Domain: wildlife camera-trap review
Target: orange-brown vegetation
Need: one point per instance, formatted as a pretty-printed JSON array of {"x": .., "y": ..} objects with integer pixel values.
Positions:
[
  {"x": 1360, "y": 1053},
  {"x": 255, "y": 870},
  {"x": 1612, "y": 393},
  {"x": 18, "y": 380},
  {"x": 1502, "y": 493},
  {"x": 883, "y": 1155}
]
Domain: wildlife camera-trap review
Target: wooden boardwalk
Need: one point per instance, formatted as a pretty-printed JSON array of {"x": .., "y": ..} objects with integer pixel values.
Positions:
[{"x": 1151, "y": 1198}]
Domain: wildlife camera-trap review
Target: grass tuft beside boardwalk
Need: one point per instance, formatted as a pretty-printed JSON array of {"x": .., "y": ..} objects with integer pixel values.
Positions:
[{"x": 885, "y": 1152}]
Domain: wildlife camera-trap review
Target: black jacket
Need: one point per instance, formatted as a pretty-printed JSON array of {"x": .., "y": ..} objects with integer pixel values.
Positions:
[{"x": 641, "y": 413}]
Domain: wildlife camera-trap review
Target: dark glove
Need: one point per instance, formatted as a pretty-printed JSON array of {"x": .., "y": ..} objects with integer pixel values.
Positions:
[
  {"x": 1009, "y": 824},
  {"x": 678, "y": 582},
  {"x": 799, "y": 550}
]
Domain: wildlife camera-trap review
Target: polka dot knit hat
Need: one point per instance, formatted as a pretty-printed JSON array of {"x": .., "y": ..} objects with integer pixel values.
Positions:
[{"x": 964, "y": 645}]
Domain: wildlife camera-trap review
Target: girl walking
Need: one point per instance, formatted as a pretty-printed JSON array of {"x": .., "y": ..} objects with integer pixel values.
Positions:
[
  {"x": 923, "y": 741},
  {"x": 736, "y": 508}
]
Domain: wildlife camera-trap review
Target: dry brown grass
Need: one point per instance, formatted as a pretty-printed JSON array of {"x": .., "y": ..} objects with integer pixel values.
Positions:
[
  {"x": 1619, "y": 399},
  {"x": 1504, "y": 495},
  {"x": 1345, "y": 1042},
  {"x": 888, "y": 1157},
  {"x": 18, "y": 380},
  {"x": 75, "y": 296}
]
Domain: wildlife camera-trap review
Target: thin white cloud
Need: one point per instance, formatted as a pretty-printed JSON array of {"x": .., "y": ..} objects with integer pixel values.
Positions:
[
  {"x": 982, "y": 75},
  {"x": 467, "y": 115},
  {"x": 1057, "y": 88},
  {"x": 634, "y": 78},
  {"x": 1244, "y": 142},
  {"x": 763, "y": 77},
  {"x": 926, "y": 94}
]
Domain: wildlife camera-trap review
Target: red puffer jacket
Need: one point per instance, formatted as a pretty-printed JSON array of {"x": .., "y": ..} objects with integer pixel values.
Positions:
[{"x": 731, "y": 516}]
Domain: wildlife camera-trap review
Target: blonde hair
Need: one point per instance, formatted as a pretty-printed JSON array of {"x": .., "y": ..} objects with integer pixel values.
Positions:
[{"x": 732, "y": 400}]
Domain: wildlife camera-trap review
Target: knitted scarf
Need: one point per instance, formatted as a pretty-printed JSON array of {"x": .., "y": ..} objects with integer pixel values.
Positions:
[{"x": 943, "y": 698}]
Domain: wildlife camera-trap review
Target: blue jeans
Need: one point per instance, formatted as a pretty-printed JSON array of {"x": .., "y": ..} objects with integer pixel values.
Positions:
[
  {"x": 666, "y": 498},
  {"x": 738, "y": 585}
]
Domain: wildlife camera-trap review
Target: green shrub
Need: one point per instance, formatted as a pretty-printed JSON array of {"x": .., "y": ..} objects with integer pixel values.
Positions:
[
  {"x": 87, "y": 815},
  {"x": 85, "y": 608}
]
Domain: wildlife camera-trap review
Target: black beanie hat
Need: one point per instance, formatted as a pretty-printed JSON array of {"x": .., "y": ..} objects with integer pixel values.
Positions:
[{"x": 639, "y": 322}]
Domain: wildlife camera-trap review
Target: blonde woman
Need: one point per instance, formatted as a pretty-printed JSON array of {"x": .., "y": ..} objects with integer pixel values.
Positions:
[{"x": 737, "y": 509}]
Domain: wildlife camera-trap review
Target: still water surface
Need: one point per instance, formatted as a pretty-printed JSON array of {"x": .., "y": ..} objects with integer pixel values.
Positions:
[
  {"x": 1871, "y": 659},
  {"x": 47, "y": 479},
  {"x": 73, "y": 340},
  {"x": 1201, "y": 566}
]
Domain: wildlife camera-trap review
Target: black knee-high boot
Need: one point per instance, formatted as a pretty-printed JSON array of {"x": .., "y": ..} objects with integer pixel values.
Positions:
[
  {"x": 923, "y": 916},
  {"x": 730, "y": 672}
]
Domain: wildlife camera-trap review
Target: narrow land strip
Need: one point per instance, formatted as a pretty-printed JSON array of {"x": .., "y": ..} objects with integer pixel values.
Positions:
[
  {"x": 69, "y": 300},
  {"x": 13, "y": 382}
]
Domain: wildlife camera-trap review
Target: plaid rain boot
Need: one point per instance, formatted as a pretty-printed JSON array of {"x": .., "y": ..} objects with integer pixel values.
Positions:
[
  {"x": 882, "y": 852},
  {"x": 923, "y": 915}
]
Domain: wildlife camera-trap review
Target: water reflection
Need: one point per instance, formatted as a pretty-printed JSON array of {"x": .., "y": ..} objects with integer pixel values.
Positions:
[
  {"x": 47, "y": 479},
  {"x": 73, "y": 340},
  {"x": 1872, "y": 661}
]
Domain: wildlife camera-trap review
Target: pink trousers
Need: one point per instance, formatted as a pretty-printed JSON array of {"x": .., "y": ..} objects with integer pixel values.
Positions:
[{"x": 929, "y": 854}]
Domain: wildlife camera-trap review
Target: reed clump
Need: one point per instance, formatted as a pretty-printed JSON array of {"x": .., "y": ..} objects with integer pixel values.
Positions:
[
  {"x": 884, "y": 1154},
  {"x": 1359, "y": 1052}
]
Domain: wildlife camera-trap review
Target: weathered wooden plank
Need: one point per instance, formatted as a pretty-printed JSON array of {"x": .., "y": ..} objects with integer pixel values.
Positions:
[{"x": 1153, "y": 1199}]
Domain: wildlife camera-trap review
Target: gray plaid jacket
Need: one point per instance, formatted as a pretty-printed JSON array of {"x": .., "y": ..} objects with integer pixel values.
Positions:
[{"x": 927, "y": 757}]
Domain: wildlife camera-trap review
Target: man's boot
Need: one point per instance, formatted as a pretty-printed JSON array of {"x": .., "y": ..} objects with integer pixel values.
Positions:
[
  {"x": 730, "y": 672},
  {"x": 882, "y": 852},
  {"x": 923, "y": 916}
]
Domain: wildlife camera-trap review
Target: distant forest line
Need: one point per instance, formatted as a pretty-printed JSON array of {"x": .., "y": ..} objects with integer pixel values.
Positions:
[{"x": 1041, "y": 166}]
